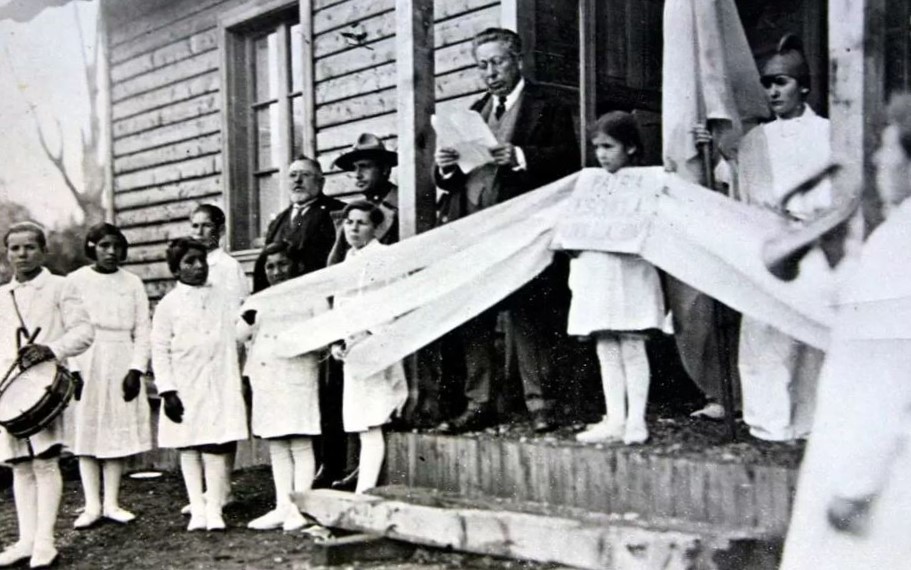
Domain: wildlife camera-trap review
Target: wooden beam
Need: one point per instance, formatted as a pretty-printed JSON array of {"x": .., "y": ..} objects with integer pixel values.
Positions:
[
  {"x": 588, "y": 73},
  {"x": 308, "y": 82},
  {"x": 856, "y": 96},
  {"x": 107, "y": 193},
  {"x": 416, "y": 103}
]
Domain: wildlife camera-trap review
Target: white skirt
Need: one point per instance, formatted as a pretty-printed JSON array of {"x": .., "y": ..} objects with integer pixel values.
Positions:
[
  {"x": 613, "y": 292},
  {"x": 370, "y": 402},
  {"x": 285, "y": 396}
]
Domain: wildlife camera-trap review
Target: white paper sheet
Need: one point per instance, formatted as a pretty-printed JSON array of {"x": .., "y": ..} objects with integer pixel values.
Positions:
[{"x": 467, "y": 133}]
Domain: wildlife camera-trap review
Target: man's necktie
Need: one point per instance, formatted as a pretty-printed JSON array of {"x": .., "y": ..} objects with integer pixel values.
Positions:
[
  {"x": 295, "y": 212},
  {"x": 501, "y": 107}
]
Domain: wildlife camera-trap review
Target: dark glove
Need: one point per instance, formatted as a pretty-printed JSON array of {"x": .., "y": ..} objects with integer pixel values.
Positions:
[
  {"x": 32, "y": 354},
  {"x": 246, "y": 390},
  {"x": 78, "y": 385},
  {"x": 132, "y": 383},
  {"x": 173, "y": 407},
  {"x": 249, "y": 316}
]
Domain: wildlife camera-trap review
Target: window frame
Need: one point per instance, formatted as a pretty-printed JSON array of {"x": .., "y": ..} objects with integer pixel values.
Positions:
[{"x": 237, "y": 33}]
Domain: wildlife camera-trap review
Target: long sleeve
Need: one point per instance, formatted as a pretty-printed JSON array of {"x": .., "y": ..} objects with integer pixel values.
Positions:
[
  {"x": 162, "y": 330},
  {"x": 78, "y": 332},
  {"x": 141, "y": 331}
]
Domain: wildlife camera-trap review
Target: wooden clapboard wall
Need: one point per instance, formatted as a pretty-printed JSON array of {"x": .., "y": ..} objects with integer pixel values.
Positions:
[{"x": 166, "y": 101}]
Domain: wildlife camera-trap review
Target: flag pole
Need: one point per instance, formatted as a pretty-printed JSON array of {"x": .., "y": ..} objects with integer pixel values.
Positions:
[{"x": 725, "y": 362}]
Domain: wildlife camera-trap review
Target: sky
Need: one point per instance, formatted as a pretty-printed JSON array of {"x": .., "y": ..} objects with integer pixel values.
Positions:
[{"x": 45, "y": 70}]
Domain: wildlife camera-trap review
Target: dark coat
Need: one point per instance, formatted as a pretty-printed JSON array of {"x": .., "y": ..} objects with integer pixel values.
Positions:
[
  {"x": 546, "y": 133},
  {"x": 310, "y": 239}
]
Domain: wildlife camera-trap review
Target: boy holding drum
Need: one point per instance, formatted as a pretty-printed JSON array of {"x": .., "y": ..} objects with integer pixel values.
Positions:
[{"x": 35, "y": 299}]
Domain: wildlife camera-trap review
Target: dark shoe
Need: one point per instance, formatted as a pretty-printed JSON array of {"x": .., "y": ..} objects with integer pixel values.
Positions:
[
  {"x": 348, "y": 483},
  {"x": 542, "y": 422},
  {"x": 322, "y": 479},
  {"x": 472, "y": 419}
]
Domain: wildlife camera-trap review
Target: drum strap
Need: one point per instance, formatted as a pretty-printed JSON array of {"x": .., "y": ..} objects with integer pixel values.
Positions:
[{"x": 22, "y": 331}]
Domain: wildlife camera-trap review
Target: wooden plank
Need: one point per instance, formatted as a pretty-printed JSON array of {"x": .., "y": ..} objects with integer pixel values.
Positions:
[
  {"x": 355, "y": 59},
  {"x": 588, "y": 73},
  {"x": 169, "y": 134},
  {"x": 857, "y": 82},
  {"x": 344, "y": 13},
  {"x": 451, "y": 58},
  {"x": 193, "y": 168},
  {"x": 376, "y": 26},
  {"x": 342, "y": 136},
  {"x": 183, "y": 111},
  {"x": 163, "y": 18},
  {"x": 368, "y": 105},
  {"x": 169, "y": 95},
  {"x": 170, "y": 54},
  {"x": 147, "y": 271},
  {"x": 160, "y": 233},
  {"x": 308, "y": 79},
  {"x": 164, "y": 212},
  {"x": 194, "y": 148},
  {"x": 185, "y": 190},
  {"x": 184, "y": 69}
]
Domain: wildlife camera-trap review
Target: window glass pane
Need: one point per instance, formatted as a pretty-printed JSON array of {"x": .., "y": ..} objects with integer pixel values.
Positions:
[
  {"x": 266, "y": 63},
  {"x": 267, "y": 137},
  {"x": 297, "y": 126},
  {"x": 270, "y": 203},
  {"x": 297, "y": 69}
]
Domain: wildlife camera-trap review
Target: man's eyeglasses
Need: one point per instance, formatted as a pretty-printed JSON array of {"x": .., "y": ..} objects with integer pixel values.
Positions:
[{"x": 497, "y": 62}]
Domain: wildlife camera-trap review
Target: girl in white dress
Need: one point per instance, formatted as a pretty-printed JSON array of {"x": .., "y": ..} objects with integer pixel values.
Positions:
[
  {"x": 367, "y": 403},
  {"x": 285, "y": 400},
  {"x": 616, "y": 299},
  {"x": 112, "y": 415},
  {"x": 194, "y": 355}
]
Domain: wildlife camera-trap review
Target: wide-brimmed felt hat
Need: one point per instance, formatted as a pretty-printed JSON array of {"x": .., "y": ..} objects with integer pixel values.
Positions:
[{"x": 368, "y": 145}]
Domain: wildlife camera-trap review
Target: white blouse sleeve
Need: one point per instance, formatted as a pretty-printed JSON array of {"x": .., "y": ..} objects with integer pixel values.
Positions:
[
  {"x": 162, "y": 330},
  {"x": 78, "y": 330},
  {"x": 141, "y": 330}
]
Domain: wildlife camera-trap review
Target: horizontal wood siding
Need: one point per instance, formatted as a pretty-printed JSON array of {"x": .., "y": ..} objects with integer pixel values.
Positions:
[{"x": 356, "y": 84}]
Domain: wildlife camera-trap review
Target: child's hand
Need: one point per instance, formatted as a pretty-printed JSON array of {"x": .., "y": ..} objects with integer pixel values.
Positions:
[
  {"x": 338, "y": 351},
  {"x": 249, "y": 316},
  {"x": 701, "y": 134},
  {"x": 851, "y": 516},
  {"x": 173, "y": 407},
  {"x": 79, "y": 384},
  {"x": 131, "y": 385}
]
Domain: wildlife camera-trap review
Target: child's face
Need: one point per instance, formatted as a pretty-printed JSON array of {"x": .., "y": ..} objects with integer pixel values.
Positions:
[
  {"x": 25, "y": 254},
  {"x": 278, "y": 268},
  {"x": 359, "y": 230},
  {"x": 204, "y": 230},
  {"x": 612, "y": 155},
  {"x": 108, "y": 252},
  {"x": 193, "y": 269}
]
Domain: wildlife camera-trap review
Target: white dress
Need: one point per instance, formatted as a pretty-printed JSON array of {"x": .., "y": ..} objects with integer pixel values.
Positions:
[
  {"x": 195, "y": 353},
  {"x": 48, "y": 302},
  {"x": 778, "y": 373},
  {"x": 613, "y": 292},
  {"x": 285, "y": 390},
  {"x": 105, "y": 425},
  {"x": 861, "y": 440},
  {"x": 370, "y": 402},
  {"x": 227, "y": 273}
]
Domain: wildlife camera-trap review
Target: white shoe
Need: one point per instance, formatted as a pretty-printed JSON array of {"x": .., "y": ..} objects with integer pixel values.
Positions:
[
  {"x": 635, "y": 433},
  {"x": 294, "y": 521},
  {"x": 600, "y": 433},
  {"x": 711, "y": 411},
  {"x": 214, "y": 521},
  {"x": 197, "y": 522},
  {"x": 86, "y": 520},
  {"x": 186, "y": 511},
  {"x": 43, "y": 556},
  {"x": 269, "y": 521},
  {"x": 119, "y": 515},
  {"x": 15, "y": 554}
]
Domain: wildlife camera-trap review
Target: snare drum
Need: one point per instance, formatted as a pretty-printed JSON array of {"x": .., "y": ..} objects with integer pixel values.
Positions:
[{"x": 34, "y": 398}]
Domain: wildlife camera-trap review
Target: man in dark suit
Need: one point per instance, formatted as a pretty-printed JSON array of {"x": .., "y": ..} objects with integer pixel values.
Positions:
[
  {"x": 538, "y": 145},
  {"x": 307, "y": 226}
]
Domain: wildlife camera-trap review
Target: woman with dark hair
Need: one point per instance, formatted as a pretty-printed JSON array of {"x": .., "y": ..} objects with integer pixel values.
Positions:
[{"x": 112, "y": 413}]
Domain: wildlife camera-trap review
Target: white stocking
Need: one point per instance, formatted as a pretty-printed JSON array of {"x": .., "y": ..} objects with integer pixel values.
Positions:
[
  {"x": 282, "y": 471},
  {"x": 191, "y": 467},
  {"x": 216, "y": 474},
  {"x": 304, "y": 463},
  {"x": 113, "y": 470},
  {"x": 25, "y": 492},
  {"x": 373, "y": 448},
  {"x": 635, "y": 364},
  {"x": 90, "y": 473},
  {"x": 613, "y": 379},
  {"x": 50, "y": 488}
]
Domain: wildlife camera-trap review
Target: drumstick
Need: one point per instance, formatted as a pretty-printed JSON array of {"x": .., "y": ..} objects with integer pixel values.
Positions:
[{"x": 31, "y": 339}]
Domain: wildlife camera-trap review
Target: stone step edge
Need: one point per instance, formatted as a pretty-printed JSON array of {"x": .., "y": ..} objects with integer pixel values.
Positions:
[{"x": 618, "y": 545}]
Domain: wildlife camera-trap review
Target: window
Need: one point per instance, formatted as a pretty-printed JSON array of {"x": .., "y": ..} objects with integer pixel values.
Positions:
[{"x": 264, "y": 102}]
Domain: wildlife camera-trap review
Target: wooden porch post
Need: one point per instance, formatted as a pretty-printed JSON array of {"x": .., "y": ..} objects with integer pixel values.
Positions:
[
  {"x": 416, "y": 102},
  {"x": 588, "y": 73},
  {"x": 308, "y": 89},
  {"x": 856, "y": 96}
]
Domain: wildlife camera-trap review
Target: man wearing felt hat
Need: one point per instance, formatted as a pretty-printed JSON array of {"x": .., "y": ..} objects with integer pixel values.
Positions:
[
  {"x": 370, "y": 163},
  {"x": 778, "y": 373}
]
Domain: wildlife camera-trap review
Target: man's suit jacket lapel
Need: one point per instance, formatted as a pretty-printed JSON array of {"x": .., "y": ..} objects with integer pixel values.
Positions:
[{"x": 529, "y": 112}]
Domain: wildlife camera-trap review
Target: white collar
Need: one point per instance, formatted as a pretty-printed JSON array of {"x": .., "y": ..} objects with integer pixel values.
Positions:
[
  {"x": 38, "y": 281},
  {"x": 513, "y": 95}
]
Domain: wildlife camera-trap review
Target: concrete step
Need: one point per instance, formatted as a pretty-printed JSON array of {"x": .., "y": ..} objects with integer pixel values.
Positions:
[
  {"x": 650, "y": 482},
  {"x": 541, "y": 533}
]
